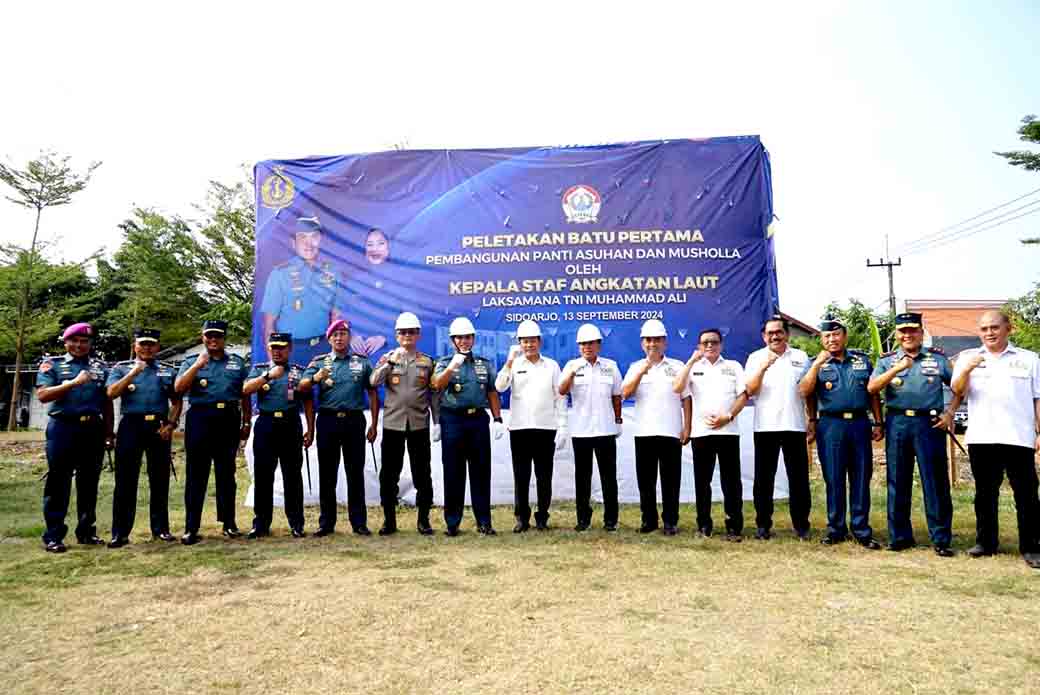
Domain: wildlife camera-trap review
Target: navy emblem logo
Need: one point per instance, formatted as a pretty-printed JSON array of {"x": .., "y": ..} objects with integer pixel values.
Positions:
[
  {"x": 277, "y": 190},
  {"x": 581, "y": 204}
]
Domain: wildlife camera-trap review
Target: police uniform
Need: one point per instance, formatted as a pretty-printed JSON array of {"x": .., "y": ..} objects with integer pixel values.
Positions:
[
  {"x": 843, "y": 442},
  {"x": 658, "y": 426},
  {"x": 75, "y": 445},
  {"x": 143, "y": 409},
  {"x": 1001, "y": 392},
  {"x": 913, "y": 401},
  {"x": 407, "y": 405},
  {"x": 591, "y": 422},
  {"x": 302, "y": 296},
  {"x": 278, "y": 440},
  {"x": 466, "y": 438},
  {"x": 341, "y": 430},
  {"x": 714, "y": 388},
  {"x": 211, "y": 436}
]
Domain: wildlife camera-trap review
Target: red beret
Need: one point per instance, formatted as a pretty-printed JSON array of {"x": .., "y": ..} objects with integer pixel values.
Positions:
[
  {"x": 77, "y": 329},
  {"x": 337, "y": 325}
]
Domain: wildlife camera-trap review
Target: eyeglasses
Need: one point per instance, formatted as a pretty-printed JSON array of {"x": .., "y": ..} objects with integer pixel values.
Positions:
[
  {"x": 408, "y": 331},
  {"x": 709, "y": 343}
]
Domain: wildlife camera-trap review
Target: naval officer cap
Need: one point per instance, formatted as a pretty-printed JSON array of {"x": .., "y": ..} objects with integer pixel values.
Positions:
[
  {"x": 831, "y": 323},
  {"x": 280, "y": 340},
  {"x": 214, "y": 326},
  {"x": 308, "y": 223},
  {"x": 908, "y": 320},
  {"x": 146, "y": 335}
]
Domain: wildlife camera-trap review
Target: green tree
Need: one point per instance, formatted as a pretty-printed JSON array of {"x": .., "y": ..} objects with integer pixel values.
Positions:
[
  {"x": 1027, "y": 159},
  {"x": 856, "y": 317},
  {"x": 1025, "y": 319},
  {"x": 45, "y": 182}
]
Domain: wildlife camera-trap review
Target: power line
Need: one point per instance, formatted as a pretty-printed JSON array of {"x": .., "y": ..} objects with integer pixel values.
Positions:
[
  {"x": 961, "y": 233},
  {"x": 948, "y": 228},
  {"x": 978, "y": 231}
]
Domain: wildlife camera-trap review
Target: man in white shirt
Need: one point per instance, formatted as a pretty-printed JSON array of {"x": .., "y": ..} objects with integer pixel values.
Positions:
[
  {"x": 718, "y": 390},
  {"x": 1002, "y": 385},
  {"x": 533, "y": 422},
  {"x": 773, "y": 374},
  {"x": 594, "y": 384},
  {"x": 662, "y": 428}
]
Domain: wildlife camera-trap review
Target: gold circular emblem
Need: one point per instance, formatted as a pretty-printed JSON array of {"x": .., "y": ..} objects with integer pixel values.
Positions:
[
  {"x": 203, "y": 383},
  {"x": 828, "y": 386},
  {"x": 458, "y": 388},
  {"x": 277, "y": 190},
  {"x": 266, "y": 387},
  {"x": 897, "y": 382},
  {"x": 131, "y": 388}
]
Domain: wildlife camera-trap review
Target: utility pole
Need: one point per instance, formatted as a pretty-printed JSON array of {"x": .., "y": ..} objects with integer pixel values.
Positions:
[{"x": 887, "y": 263}]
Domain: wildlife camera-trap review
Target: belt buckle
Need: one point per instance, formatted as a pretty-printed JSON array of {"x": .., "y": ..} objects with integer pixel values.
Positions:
[
  {"x": 278, "y": 413},
  {"x": 933, "y": 413},
  {"x": 847, "y": 416},
  {"x": 149, "y": 418},
  {"x": 221, "y": 406},
  {"x": 470, "y": 411},
  {"x": 911, "y": 413},
  {"x": 84, "y": 418},
  {"x": 341, "y": 413}
]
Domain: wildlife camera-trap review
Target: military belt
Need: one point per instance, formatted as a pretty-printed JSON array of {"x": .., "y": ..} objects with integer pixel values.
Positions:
[
  {"x": 147, "y": 417},
  {"x": 926, "y": 412},
  {"x": 464, "y": 412},
  {"x": 279, "y": 413},
  {"x": 844, "y": 414},
  {"x": 221, "y": 405},
  {"x": 69, "y": 417},
  {"x": 339, "y": 413}
]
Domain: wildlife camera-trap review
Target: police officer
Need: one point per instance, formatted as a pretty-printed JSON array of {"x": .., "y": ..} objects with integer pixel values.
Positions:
[
  {"x": 912, "y": 379},
  {"x": 836, "y": 382},
  {"x": 302, "y": 294},
  {"x": 409, "y": 401},
  {"x": 148, "y": 415},
  {"x": 718, "y": 390},
  {"x": 468, "y": 388},
  {"x": 279, "y": 436},
  {"x": 79, "y": 430},
  {"x": 342, "y": 379},
  {"x": 218, "y": 418},
  {"x": 772, "y": 376},
  {"x": 537, "y": 422},
  {"x": 662, "y": 428},
  {"x": 594, "y": 423},
  {"x": 1002, "y": 385}
]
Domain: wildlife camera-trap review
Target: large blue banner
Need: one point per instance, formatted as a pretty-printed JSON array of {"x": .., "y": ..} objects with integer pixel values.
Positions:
[{"x": 610, "y": 235}]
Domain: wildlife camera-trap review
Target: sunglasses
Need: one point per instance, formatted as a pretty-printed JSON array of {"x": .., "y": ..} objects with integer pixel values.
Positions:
[
  {"x": 408, "y": 331},
  {"x": 707, "y": 343}
]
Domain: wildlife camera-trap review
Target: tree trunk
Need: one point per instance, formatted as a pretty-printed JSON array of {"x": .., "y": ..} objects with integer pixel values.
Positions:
[{"x": 23, "y": 318}]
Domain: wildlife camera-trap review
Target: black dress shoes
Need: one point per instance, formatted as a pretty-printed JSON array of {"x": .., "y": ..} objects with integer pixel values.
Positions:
[
  {"x": 803, "y": 535},
  {"x": 581, "y": 526},
  {"x": 254, "y": 534},
  {"x": 190, "y": 538},
  {"x": 387, "y": 530},
  {"x": 734, "y": 537},
  {"x": 54, "y": 547},
  {"x": 486, "y": 530},
  {"x": 869, "y": 543},
  {"x": 323, "y": 532},
  {"x": 647, "y": 528},
  {"x": 832, "y": 540},
  {"x": 944, "y": 551},
  {"x": 1032, "y": 559},
  {"x": 90, "y": 540},
  {"x": 424, "y": 528},
  {"x": 164, "y": 536},
  {"x": 900, "y": 546},
  {"x": 232, "y": 532},
  {"x": 298, "y": 533},
  {"x": 669, "y": 530},
  {"x": 763, "y": 534},
  {"x": 362, "y": 531},
  {"x": 979, "y": 550},
  {"x": 118, "y": 542},
  {"x": 541, "y": 525},
  {"x": 609, "y": 528},
  {"x": 451, "y": 531},
  {"x": 704, "y": 531},
  {"x": 521, "y": 527}
]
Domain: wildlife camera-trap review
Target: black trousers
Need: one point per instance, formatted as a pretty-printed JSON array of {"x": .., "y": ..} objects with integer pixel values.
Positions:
[
  {"x": 725, "y": 448},
  {"x": 605, "y": 449},
  {"x": 392, "y": 448},
  {"x": 988, "y": 464},
  {"x": 653, "y": 454},
  {"x": 341, "y": 433},
  {"x": 139, "y": 437},
  {"x": 73, "y": 447},
  {"x": 211, "y": 438},
  {"x": 277, "y": 441},
  {"x": 532, "y": 446},
  {"x": 768, "y": 446}
]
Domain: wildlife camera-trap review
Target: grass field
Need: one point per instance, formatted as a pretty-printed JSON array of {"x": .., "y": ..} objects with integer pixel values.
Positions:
[{"x": 551, "y": 612}]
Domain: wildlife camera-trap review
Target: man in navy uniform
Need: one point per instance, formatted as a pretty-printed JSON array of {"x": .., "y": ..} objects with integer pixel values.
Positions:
[
  {"x": 342, "y": 379},
  {"x": 149, "y": 410},
  {"x": 838, "y": 379},
  {"x": 409, "y": 402},
  {"x": 79, "y": 430},
  {"x": 279, "y": 436},
  {"x": 301, "y": 295},
  {"x": 912, "y": 379},
  {"x": 219, "y": 416},
  {"x": 468, "y": 388}
]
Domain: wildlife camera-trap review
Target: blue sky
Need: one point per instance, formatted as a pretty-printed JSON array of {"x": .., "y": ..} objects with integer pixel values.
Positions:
[{"x": 881, "y": 118}]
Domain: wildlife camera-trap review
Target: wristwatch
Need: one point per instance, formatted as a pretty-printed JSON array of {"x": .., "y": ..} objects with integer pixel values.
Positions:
[
  {"x": 498, "y": 419},
  {"x": 618, "y": 420}
]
